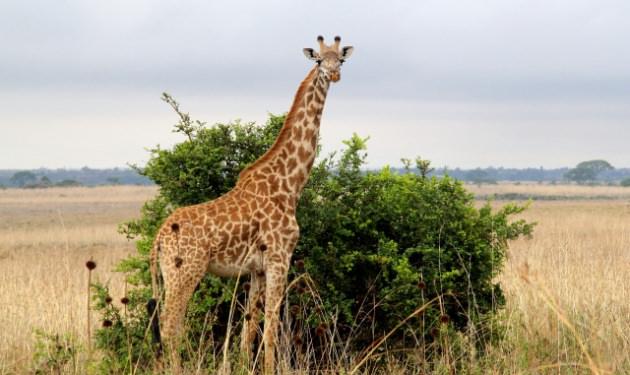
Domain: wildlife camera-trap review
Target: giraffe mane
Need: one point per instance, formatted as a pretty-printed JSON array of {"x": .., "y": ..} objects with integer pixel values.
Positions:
[{"x": 285, "y": 131}]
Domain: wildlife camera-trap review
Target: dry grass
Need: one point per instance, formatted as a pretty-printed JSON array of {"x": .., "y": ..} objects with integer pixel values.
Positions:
[
  {"x": 46, "y": 236},
  {"x": 548, "y": 190},
  {"x": 578, "y": 259},
  {"x": 569, "y": 284}
]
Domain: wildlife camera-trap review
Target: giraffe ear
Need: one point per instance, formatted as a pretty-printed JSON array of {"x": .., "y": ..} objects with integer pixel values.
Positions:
[
  {"x": 310, "y": 54},
  {"x": 346, "y": 52}
]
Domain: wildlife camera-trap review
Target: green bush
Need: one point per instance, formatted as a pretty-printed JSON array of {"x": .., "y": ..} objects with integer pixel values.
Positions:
[
  {"x": 625, "y": 182},
  {"x": 55, "y": 354},
  {"x": 375, "y": 246},
  {"x": 396, "y": 241}
]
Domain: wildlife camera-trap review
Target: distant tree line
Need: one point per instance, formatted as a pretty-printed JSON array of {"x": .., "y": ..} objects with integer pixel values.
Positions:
[
  {"x": 593, "y": 171},
  {"x": 41, "y": 178}
]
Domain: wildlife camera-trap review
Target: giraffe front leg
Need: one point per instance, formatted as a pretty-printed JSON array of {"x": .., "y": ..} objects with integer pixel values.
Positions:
[
  {"x": 276, "y": 277},
  {"x": 252, "y": 314}
]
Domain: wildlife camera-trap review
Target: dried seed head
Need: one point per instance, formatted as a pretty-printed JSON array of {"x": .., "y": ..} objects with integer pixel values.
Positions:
[
  {"x": 107, "y": 323},
  {"x": 299, "y": 264},
  {"x": 444, "y": 319},
  {"x": 297, "y": 340},
  {"x": 248, "y": 316},
  {"x": 294, "y": 309},
  {"x": 124, "y": 300},
  {"x": 321, "y": 329},
  {"x": 247, "y": 286},
  {"x": 422, "y": 285},
  {"x": 259, "y": 305},
  {"x": 300, "y": 289},
  {"x": 90, "y": 264},
  {"x": 108, "y": 299}
]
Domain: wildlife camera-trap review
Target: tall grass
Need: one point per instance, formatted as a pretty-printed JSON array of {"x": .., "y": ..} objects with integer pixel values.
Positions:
[
  {"x": 576, "y": 268},
  {"x": 567, "y": 290},
  {"x": 45, "y": 238}
]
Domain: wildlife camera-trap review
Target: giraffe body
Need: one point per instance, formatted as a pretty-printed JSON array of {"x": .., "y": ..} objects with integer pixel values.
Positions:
[{"x": 252, "y": 229}]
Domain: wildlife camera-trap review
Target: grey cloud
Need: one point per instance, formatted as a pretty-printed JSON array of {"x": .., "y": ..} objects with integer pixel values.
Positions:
[
  {"x": 497, "y": 55},
  {"x": 403, "y": 48}
]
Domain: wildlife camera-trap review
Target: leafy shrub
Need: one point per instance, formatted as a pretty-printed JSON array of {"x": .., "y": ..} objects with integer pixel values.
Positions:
[
  {"x": 625, "y": 182},
  {"x": 375, "y": 246},
  {"x": 400, "y": 240}
]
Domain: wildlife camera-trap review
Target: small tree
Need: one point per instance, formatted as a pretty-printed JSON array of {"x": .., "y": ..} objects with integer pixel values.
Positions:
[
  {"x": 479, "y": 176},
  {"x": 587, "y": 171},
  {"x": 23, "y": 178},
  {"x": 625, "y": 182},
  {"x": 44, "y": 181}
]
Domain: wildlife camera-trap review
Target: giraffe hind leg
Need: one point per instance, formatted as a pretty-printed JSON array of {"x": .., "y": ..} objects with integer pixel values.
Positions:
[{"x": 178, "y": 291}]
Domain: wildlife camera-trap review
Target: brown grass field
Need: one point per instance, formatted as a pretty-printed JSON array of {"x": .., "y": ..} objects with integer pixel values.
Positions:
[{"x": 568, "y": 287}]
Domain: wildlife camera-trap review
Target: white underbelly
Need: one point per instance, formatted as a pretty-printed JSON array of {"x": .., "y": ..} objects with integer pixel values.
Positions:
[{"x": 225, "y": 270}]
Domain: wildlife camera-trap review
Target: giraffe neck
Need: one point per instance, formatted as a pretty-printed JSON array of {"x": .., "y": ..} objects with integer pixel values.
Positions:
[{"x": 285, "y": 167}]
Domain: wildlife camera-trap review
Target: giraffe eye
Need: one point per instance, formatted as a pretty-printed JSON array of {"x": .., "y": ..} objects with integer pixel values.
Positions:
[
  {"x": 319, "y": 62},
  {"x": 341, "y": 61}
]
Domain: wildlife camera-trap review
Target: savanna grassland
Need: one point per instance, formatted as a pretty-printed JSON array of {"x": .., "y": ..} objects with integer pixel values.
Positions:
[
  {"x": 46, "y": 236},
  {"x": 567, "y": 287}
]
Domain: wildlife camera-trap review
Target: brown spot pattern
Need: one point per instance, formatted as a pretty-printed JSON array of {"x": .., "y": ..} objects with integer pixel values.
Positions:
[{"x": 222, "y": 236}]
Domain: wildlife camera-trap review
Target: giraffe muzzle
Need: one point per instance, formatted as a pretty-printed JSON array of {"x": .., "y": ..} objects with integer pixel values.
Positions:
[{"x": 335, "y": 76}]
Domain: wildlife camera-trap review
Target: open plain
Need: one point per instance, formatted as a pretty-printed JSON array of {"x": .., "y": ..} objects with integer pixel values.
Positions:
[
  {"x": 567, "y": 287},
  {"x": 46, "y": 236}
]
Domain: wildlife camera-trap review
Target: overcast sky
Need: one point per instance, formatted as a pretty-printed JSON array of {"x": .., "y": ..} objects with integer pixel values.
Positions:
[{"x": 462, "y": 83}]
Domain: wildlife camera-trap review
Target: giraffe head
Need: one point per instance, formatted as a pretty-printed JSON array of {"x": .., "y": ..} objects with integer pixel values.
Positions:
[{"x": 329, "y": 58}]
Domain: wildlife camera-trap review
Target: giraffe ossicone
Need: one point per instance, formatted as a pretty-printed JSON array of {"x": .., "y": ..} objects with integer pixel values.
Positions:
[{"x": 251, "y": 229}]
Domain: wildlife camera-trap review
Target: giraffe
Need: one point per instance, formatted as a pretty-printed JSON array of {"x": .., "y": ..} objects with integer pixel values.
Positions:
[{"x": 251, "y": 229}]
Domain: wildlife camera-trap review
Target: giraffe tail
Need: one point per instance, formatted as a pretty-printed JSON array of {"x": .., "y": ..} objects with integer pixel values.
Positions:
[
  {"x": 153, "y": 267},
  {"x": 152, "y": 304}
]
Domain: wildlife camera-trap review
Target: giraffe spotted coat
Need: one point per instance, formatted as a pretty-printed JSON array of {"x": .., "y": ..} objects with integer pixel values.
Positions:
[{"x": 252, "y": 229}]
